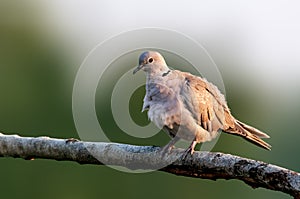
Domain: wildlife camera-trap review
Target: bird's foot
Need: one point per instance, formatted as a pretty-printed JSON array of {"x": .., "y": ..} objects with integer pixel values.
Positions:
[
  {"x": 71, "y": 140},
  {"x": 166, "y": 150},
  {"x": 189, "y": 151},
  {"x": 168, "y": 147}
]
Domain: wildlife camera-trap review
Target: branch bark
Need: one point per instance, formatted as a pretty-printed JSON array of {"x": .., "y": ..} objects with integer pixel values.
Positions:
[{"x": 207, "y": 165}]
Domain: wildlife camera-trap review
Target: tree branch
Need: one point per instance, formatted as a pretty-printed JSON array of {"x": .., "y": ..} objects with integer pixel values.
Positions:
[{"x": 206, "y": 165}]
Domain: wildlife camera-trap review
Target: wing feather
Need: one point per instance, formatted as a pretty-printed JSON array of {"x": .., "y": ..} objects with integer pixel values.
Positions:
[
  {"x": 206, "y": 103},
  {"x": 210, "y": 110}
]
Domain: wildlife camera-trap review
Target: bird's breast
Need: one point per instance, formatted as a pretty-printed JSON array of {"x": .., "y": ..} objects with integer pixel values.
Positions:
[{"x": 162, "y": 103}]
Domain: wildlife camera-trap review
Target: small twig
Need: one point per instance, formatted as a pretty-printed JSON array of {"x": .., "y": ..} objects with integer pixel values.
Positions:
[{"x": 206, "y": 165}]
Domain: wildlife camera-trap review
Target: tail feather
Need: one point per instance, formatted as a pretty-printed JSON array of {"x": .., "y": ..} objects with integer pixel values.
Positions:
[
  {"x": 257, "y": 141},
  {"x": 253, "y": 130},
  {"x": 249, "y": 133}
]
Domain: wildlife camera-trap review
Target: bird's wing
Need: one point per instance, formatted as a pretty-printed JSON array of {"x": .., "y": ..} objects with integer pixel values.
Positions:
[
  {"x": 210, "y": 110},
  {"x": 206, "y": 103}
]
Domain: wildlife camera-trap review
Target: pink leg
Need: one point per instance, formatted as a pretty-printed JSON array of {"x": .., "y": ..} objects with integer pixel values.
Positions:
[
  {"x": 191, "y": 148},
  {"x": 168, "y": 147}
]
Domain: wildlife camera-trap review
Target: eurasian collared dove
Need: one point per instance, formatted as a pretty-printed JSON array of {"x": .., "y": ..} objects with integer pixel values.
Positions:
[{"x": 188, "y": 107}]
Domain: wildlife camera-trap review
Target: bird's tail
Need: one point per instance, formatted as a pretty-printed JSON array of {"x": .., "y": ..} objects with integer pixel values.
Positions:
[{"x": 249, "y": 133}]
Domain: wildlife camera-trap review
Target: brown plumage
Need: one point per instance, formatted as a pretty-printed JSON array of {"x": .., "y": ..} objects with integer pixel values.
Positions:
[
  {"x": 189, "y": 107},
  {"x": 213, "y": 113}
]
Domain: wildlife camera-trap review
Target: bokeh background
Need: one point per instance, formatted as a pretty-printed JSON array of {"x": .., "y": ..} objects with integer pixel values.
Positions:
[{"x": 255, "y": 44}]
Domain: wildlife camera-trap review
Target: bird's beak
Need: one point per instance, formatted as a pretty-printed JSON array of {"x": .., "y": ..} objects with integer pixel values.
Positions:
[{"x": 138, "y": 68}]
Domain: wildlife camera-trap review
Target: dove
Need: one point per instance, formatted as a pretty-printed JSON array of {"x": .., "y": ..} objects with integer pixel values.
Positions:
[{"x": 188, "y": 107}]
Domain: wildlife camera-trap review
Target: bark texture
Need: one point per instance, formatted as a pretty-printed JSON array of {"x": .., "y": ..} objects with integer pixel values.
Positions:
[{"x": 207, "y": 165}]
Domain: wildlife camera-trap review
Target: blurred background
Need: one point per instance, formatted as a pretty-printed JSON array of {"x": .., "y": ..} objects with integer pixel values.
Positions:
[{"x": 255, "y": 44}]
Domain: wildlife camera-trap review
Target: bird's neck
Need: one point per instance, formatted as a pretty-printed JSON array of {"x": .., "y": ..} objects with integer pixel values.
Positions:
[{"x": 162, "y": 71}]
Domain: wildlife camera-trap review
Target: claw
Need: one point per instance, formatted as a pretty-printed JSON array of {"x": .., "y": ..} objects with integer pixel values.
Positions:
[
  {"x": 71, "y": 140},
  {"x": 168, "y": 147},
  {"x": 190, "y": 150}
]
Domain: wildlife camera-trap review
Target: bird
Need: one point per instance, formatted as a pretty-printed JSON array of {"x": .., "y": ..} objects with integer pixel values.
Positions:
[{"x": 188, "y": 107}]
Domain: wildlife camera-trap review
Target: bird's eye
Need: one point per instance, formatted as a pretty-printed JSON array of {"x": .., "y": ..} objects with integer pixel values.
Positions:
[{"x": 150, "y": 60}]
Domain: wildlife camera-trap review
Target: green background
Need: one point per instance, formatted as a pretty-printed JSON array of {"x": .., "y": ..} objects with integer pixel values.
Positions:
[{"x": 37, "y": 71}]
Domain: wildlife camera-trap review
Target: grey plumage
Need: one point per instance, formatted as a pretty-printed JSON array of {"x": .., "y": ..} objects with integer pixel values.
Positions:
[{"x": 188, "y": 107}]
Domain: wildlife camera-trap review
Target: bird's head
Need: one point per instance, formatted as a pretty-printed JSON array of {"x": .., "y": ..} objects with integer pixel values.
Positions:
[{"x": 151, "y": 62}]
